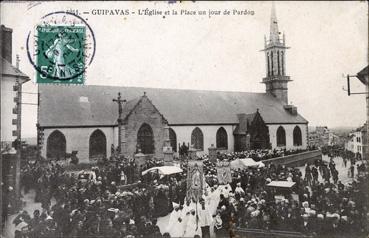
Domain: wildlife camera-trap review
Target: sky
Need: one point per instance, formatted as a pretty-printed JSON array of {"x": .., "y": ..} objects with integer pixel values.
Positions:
[{"x": 328, "y": 40}]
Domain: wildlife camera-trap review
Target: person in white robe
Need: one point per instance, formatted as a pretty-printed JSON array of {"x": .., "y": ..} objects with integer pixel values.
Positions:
[
  {"x": 205, "y": 219},
  {"x": 176, "y": 224},
  {"x": 186, "y": 212},
  {"x": 192, "y": 227},
  {"x": 214, "y": 198},
  {"x": 173, "y": 219}
]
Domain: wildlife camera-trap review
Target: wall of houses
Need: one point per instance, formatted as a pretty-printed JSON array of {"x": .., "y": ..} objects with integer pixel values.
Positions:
[
  {"x": 355, "y": 144},
  {"x": 320, "y": 137},
  {"x": 289, "y": 135}
]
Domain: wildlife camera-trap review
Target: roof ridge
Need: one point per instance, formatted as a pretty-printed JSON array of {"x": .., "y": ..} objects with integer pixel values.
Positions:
[{"x": 158, "y": 88}]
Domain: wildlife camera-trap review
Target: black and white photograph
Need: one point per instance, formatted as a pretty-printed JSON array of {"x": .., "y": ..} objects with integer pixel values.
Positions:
[{"x": 195, "y": 119}]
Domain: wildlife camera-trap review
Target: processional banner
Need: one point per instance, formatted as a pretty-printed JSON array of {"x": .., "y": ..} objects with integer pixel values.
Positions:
[
  {"x": 224, "y": 172},
  {"x": 195, "y": 178}
]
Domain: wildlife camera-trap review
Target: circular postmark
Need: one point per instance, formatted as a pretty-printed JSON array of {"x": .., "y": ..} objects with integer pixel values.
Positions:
[{"x": 64, "y": 46}]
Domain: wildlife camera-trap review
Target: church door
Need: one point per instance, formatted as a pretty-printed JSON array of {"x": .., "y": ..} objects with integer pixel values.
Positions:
[
  {"x": 56, "y": 145},
  {"x": 97, "y": 147},
  {"x": 259, "y": 133},
  {"x": 145, "y": 139}
]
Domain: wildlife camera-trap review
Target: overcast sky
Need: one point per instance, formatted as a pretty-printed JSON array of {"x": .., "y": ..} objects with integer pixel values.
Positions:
[{"x": 327, "y": 40}]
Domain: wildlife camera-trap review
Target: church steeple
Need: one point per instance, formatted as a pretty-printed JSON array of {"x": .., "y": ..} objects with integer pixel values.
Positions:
[
  {"x": 276, "y": 79},
  {"x": 274, "y": 33}
]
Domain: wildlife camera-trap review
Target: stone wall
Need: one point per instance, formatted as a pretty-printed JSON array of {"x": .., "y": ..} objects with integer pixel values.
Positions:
[
  {"x": 145, "y": 112},
  {"x": 297, "y": 159}
]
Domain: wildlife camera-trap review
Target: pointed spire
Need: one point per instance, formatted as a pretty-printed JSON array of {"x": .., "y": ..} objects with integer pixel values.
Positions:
[{"x": 274, "y": 33}]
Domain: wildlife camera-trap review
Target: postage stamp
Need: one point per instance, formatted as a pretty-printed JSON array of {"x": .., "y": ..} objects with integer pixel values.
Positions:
[
  {"x": 60, "y": 54},
  {"x": 61, "y": 49}
]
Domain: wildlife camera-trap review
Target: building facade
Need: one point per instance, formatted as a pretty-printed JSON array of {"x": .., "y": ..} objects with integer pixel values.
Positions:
[
  {"x": 11, "y": 87},
  {"x": 153, "y": 120},
  {"x": 11, "y": 110},
  {"x": 320, "y": 137},
  {"x": 357, "y": 142}
]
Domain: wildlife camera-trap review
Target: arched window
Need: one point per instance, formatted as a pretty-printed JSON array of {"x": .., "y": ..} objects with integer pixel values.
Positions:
[
  {"x": 222, "y": 138},
  {"x": 297, "y": 137},
  {"x": 56, "y": 145},
  {"x": 173, "y": 139},
  {"x": 281, "y": 136},
  {"x": 197, "y": 139},
  {"x": 97, "y": 145},
  {"x": 145, "y": 139}
]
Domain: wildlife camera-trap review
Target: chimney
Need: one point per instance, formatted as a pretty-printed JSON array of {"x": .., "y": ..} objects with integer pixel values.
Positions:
[{"x": 6, "y": 43}]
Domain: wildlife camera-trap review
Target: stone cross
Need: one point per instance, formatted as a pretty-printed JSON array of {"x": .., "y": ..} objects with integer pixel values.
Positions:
[{"x": 120, "y": 111}]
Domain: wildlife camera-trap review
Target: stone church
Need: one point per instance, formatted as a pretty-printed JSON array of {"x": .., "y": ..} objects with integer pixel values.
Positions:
[{"x": 157, "y": 121}]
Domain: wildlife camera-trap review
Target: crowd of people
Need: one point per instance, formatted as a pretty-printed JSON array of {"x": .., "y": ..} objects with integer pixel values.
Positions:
[
  {"x": 261, "y": 154},
  {"x": 110, "y": 206},
  {"x": 90, "y": 206}
]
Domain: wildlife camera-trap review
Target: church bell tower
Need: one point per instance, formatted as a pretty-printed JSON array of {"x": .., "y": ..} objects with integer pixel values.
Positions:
[{"x": 275, "y": 48}]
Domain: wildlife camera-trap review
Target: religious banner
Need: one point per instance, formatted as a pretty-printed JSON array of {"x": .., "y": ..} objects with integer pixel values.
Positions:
[
  {"x": 224, "y": 172},
  {"x": 195, "y": 180}
]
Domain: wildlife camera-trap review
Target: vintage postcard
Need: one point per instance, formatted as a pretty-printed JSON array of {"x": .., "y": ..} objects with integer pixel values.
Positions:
[{"x": 184, "y": 119}]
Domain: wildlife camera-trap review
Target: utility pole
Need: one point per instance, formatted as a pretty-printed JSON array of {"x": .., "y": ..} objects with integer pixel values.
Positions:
[{"x": 121, "y": 146}]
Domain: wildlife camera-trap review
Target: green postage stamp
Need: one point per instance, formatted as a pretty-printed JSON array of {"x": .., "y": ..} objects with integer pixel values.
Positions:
[{"x": 60, "y": 56}]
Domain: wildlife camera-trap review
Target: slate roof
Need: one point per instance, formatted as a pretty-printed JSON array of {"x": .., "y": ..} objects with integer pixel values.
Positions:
[
  {"x": 60, "y": 105},
  {"x": 9, "y": 70}
]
